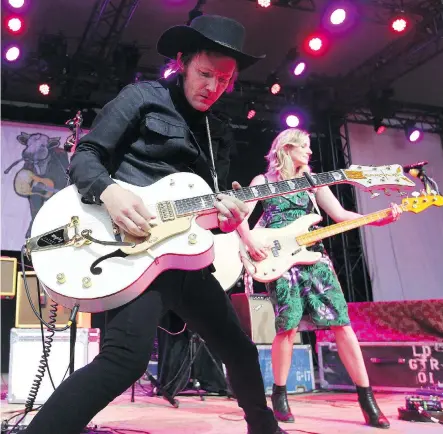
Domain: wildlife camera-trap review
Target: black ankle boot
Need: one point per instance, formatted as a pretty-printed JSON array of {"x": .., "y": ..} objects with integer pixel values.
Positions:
[
  {"x": 371, "y": 412},
  {"x": 280, "y": 404}
]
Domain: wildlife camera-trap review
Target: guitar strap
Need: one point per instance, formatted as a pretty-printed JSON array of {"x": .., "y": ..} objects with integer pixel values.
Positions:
[
  {"x": 314, "y": 201},
  {"x": 213, "y": 171}
]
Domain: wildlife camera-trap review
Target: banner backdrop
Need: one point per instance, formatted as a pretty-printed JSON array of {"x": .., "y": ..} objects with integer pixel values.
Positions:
[{"x": 33, "y": 168}]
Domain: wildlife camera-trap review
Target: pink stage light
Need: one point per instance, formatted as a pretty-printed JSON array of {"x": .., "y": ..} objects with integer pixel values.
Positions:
[
  {"x": 299, "y": 68},
  {"x": 14, "y": 24},
  {"x": 251, "y": 114},
  {"x": 44, "y": 89},
  {"x": 16, "y": 3},
  {"x": 399, "y": 25},
  {"x": 292, "y": 121},
  {"x": 12, "y": 54},
  {"x": 315, "y": 44},
  {"x": 264, "y": 3},
  {"x": 275, "y": 89},
  {"x": 338, "y": 16}
]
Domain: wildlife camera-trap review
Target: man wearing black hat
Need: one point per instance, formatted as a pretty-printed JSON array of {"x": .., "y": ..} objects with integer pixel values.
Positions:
[{"x": 150, "y": 130}]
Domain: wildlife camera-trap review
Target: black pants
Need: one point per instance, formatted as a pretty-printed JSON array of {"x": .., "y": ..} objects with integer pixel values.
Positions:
[{"x": 200, "y": 301}]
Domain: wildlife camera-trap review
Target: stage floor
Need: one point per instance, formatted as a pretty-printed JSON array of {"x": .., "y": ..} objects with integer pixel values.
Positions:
[{"x": 315, "y": 413}]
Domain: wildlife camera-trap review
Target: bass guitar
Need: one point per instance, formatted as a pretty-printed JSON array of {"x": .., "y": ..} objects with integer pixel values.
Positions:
[
  {"x": 287, "y": 246},
  {"x": 79, "y": 261}
]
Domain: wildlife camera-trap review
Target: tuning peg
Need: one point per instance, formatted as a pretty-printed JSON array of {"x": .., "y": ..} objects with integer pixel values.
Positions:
[
  {"x": 374, "y": 195},
  {"x": 403, "y": 193},
  {"x": 415, "y": 194},
  {"x": 387, "y": 192}
]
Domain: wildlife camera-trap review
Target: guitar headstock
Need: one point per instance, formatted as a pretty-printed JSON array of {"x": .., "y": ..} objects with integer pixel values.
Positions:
[
  {"x": 419, "y": 202},
  {"x": 378, "y": 177}
]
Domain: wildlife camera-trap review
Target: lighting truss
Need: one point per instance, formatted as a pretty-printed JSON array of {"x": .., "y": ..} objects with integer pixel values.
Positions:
[
  {"x": 375, "y": 11},
  {"x": 103, "y": 32},
  {"x": 396, "y": 60},
  {"x": 428, "y": 119}
]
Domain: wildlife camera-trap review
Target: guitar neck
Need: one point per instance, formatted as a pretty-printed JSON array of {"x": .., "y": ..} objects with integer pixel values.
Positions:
[
  {"x": 205, "y": 204},
  {"x": 338, "y": 228}
]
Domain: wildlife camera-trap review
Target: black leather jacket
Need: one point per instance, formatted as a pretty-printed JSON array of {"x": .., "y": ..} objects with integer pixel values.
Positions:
[{"x": 147, "y": 132}]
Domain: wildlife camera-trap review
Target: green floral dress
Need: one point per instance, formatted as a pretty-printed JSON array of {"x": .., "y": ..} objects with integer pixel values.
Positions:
[{"x": 304, "y": 289}]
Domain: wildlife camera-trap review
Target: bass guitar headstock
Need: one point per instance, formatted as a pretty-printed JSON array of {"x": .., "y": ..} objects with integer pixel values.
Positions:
[{"x": 419, "y": 202}]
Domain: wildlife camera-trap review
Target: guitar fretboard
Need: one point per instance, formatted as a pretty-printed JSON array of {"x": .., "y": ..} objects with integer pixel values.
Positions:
[
  {"x": 338, "y": 228},
  {"x": 206, "y": 203}
]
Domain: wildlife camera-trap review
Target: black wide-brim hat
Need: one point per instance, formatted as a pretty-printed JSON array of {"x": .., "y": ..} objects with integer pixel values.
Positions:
[{"x": 208, "y": 32}]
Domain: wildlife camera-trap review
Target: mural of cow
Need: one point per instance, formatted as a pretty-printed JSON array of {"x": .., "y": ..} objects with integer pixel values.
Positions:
[{"x": 43, "y": 172}]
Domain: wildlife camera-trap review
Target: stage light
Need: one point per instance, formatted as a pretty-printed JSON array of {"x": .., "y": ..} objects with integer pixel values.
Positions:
[
  {"x": 14, "y": 24},
  {"x": 299, "y": 68},
  {"x": 264, "y": 3},
  {"x": 414, "y": 135},
  {"x": 273, "y": 83},
  {"x": 250, "y": 110},
  {"x": 399, "y": 24},
  {"x": 167, "y": 72},
  {"x": 275, "y": 88},
  {"x": 16, "y": 3},
  {"x": 251, "y": 114},
  {"x": 44, "y": 89},
  {"x": 315, "y": 44},
  {"x": 12, "y": 54},
  {"x": 338, "y": 16},
  {"x": 379, "y": 128},
  {"x": 292, "y": 120}
]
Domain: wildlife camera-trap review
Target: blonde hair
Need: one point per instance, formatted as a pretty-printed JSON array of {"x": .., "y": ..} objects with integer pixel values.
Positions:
[
  {"x": 280, "y": 163},
  {"x": 175, "y": 65}
]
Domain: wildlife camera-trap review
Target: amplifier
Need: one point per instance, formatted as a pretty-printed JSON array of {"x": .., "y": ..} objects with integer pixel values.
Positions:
[
  {"x": 8, "y": 277},
  {"x": 392, "y": 366},
  {"x": 257, "y": 317},
  {"x": 24, "y": 315}
]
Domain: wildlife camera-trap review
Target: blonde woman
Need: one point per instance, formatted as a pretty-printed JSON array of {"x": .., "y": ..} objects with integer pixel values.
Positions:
[{"x": 311, "y": 288}]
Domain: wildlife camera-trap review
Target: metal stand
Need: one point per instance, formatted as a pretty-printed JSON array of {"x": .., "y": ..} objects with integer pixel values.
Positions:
[
  {"x": 159, "y": 388},
  {"x": 195, "y": 344}
]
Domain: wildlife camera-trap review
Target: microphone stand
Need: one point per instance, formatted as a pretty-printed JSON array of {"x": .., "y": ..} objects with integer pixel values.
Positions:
[{"x": 429, "y": 184}]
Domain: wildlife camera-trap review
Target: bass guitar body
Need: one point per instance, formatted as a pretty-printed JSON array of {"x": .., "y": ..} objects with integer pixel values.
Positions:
[{"x": 283, "y": 249}]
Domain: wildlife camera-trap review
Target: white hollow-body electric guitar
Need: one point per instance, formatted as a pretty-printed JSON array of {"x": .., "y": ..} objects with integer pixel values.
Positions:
[
  {"x": 287, "y": 246},
  {"x": 79, "y": 261}
]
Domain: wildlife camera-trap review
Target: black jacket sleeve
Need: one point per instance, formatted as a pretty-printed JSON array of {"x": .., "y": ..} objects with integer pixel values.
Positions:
[{"x": 91, "y": 162}]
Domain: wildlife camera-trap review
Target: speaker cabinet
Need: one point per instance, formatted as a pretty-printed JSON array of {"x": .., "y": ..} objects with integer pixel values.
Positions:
[
  {"x": 24, "y": 315},
  {"x": 257, "y": 317},
  {"x": 8, "y": 277}
]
